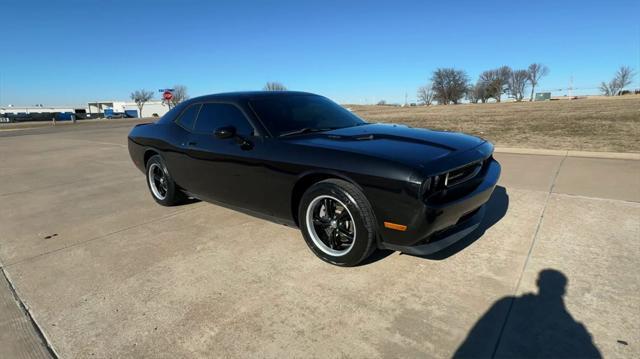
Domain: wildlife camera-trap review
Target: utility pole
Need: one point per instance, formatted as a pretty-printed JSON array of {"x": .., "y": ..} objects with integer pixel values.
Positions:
[
  {"x": 571, "y": 86},
  {"x": 405, "y": 99}
]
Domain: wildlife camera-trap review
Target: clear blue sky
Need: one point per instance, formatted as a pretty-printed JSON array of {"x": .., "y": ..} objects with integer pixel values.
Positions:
[{"x": 71, "y": 52}]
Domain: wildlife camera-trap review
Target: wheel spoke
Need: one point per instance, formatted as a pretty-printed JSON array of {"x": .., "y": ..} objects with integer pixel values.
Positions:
[
  {"x": 328, "y": 234},
  {"x": 334, "y": 239},
  {"x": 344, "y": 215},
  {"x": 346, "y": 236},
  {"x": 344, "y": 232}
]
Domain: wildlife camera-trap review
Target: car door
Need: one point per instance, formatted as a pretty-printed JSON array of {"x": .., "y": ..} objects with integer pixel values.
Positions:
[
  {"x": 176, "y": 155},
  {"x": 228, "y": 170}
]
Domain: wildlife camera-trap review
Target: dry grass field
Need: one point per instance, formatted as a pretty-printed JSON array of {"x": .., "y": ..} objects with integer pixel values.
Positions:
[{"x": 590, "y": 124}]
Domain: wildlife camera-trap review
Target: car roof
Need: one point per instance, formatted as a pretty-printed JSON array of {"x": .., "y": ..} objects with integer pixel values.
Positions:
[
  {"x": 249, "y": 95},
  {"x": 230, "y": 97}
]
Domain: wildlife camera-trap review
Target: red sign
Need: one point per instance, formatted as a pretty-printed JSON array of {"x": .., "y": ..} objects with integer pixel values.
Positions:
[{"x": 167, "y": 95}]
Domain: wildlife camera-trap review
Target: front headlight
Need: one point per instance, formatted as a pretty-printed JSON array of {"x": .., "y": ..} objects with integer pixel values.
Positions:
[{"x": 432, "y": 184}]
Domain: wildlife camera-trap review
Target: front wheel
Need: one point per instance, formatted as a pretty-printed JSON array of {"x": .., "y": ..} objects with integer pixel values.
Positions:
[{"x": 337, "y": 222}]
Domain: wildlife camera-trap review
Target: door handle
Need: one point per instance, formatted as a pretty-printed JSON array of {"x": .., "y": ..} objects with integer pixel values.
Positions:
[{"x": 191, "y": 143}]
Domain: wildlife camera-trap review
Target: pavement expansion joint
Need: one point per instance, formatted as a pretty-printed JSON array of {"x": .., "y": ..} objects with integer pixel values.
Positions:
[
  {"x": 526, "y": 262},
  {"x": 25, "y": 309},
  {"x": 562, "y": 194}
]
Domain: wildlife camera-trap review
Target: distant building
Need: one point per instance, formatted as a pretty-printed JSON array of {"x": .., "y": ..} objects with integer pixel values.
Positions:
[
  {"x": 543, "y": 96},
  {"x": 37, "y": 109},
  {"x": 98, "y": 109},
  {"x": 148, "y": 110},
  {"x": 40, "y": 113}
]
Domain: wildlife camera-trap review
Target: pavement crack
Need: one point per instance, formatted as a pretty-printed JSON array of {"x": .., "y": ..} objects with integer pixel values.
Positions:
[
  {"x": 99, "y": 142},
  {"x": 526, "y": 262},
  {"x": 25, "y": 310}
]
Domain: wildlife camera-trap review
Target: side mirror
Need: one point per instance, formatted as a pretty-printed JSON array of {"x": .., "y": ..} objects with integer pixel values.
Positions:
[{"x": 225, "y": 132}]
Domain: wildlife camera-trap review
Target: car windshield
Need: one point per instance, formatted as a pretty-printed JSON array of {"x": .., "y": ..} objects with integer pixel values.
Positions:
[{"x": 298, "y": 114}]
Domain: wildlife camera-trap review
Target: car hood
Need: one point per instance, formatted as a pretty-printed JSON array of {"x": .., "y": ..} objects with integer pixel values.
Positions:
[{"x": 410, "y": 146}]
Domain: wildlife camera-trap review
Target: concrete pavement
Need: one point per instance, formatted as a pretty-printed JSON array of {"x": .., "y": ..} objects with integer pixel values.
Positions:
[
  {"x": 19, "y": 337},
  {"x": 105, "y": 272}
]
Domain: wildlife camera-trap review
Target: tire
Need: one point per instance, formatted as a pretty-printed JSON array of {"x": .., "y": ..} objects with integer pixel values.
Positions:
[
  {"x": 325, "y": 227},
  {"x": 163, "y": 189}
]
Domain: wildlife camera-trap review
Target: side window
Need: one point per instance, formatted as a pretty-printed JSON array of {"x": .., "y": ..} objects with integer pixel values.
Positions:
[
  {"x": 188, "y": 117},
  {"x": 216, "y": 115}
]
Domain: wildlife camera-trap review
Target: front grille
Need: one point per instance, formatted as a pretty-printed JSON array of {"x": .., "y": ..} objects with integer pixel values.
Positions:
[{"x": 462, "y": 174}]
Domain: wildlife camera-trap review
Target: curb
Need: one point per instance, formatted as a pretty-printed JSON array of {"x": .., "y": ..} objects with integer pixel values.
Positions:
[
  {"x": 48, "y": 124},
  {"x": 569, "y": 153}
]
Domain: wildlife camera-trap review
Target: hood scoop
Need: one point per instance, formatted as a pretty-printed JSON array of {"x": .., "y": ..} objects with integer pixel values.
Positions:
[
  {"x": 368, "y": 137},
  {"x": 382, "y": 136}
]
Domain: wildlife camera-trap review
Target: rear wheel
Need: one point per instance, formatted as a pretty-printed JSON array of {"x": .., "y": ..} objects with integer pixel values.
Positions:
[
  {"x": 337, "y": 222},
  {"x": 163, "y": 188}
]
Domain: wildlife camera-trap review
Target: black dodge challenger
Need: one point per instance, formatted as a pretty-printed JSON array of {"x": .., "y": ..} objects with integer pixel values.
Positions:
[{"x": 302, "y": 160}]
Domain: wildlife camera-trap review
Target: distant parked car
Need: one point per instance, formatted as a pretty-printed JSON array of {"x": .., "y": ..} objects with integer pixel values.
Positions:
[
  {"x": 302, "y": 160},
  {"x": 131, "y": 113},
  {"x": 109, "y": 114},
  {"x": 65, "y": 116}
]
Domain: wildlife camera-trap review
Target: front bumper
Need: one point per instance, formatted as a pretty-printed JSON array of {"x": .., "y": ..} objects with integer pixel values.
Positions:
[
  {"x": 441, "y": 240},
  {"x": 445, "y": 223}
]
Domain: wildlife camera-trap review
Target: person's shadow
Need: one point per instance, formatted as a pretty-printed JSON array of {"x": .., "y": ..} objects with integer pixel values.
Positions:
[{"x": 536, "y": 326}]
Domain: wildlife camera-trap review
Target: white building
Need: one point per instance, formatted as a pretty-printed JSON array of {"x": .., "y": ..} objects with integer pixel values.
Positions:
[
  {"x": 148, "y": 110},
  {"x": 38, "y": 112},
  {"x": 93, "y": 109}
]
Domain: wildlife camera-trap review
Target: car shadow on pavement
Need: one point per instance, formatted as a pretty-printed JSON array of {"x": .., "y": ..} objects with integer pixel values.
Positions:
[
  {"x": 534, "y": 325},
  {"x": 188, "y": 201}
]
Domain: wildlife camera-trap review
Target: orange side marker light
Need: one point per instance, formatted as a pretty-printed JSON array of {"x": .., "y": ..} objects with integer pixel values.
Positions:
[{"x": 397, "y": 227}]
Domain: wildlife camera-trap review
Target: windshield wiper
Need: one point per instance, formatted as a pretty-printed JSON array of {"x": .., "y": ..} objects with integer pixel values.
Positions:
[{"x": 304, "y": 130}]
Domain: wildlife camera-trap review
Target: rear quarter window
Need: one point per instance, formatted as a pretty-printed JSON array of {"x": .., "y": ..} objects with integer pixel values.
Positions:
[{"x": 188, "y": 117}]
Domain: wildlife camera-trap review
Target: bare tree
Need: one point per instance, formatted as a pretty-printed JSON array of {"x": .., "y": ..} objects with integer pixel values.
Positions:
[
  {"x": 496, "y": 81},
  {"x": 425, "y": 94},
  {"x": 623, "y": 78},
  {"x": 449, "y": 85},
  {"x": 274, "y": 86},
  {"x": 140, "y": 97},
  {"x": 607, "y": 89},
  {"x": 517, "y": 83},
  {"x": 179, "y": 94},
  {"x": 477, "y": 92},
  {"x": 536, "y": 72}
]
